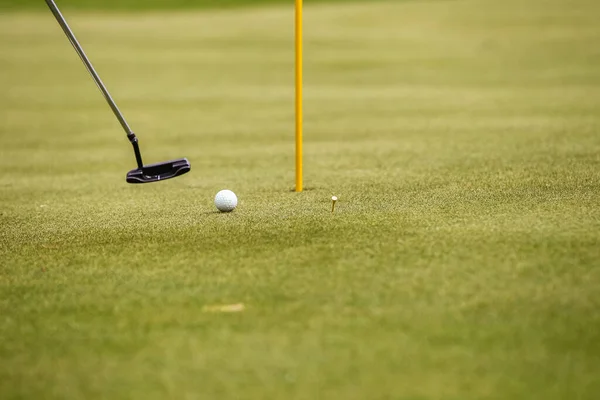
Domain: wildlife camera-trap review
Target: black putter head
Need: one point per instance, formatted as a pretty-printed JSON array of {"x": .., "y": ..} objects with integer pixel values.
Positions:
[{"x": 159, "y": 171}]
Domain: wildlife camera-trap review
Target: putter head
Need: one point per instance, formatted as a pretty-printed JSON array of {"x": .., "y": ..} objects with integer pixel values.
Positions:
[{"x": 159, "y": 171}]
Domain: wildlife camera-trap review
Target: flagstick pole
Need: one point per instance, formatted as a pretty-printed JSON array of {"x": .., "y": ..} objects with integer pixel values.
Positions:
[{"x": 298, "y": 95}]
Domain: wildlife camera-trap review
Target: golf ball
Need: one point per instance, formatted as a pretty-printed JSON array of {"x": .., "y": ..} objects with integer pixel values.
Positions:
[{"x": 225, "y": 201}]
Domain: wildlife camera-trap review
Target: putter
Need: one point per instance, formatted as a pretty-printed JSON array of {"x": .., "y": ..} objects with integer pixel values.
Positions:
[{"x": 143, "y": 173}]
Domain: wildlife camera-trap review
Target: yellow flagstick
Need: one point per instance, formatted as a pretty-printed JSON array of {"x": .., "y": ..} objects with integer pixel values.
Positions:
[{"x": 298, "y": 95}]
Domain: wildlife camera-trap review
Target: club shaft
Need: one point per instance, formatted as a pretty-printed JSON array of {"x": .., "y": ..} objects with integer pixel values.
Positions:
[{"x": 65, "y": 27}]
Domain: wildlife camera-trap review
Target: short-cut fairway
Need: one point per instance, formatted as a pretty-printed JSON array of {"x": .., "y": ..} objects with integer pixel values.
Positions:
[{"x": 462, "y": 138}]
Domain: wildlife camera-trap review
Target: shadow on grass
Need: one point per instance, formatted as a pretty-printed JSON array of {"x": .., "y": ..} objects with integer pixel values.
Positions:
[{"x": 306, "y": 189}]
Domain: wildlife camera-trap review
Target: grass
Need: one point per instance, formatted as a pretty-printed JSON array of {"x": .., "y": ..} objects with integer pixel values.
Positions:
[
  {"x": 462, "y": 261},
  {"x": 146, "y": 5}
]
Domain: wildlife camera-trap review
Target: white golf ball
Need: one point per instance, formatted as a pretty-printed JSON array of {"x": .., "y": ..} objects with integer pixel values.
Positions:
[{"x": 225, "y": 201}]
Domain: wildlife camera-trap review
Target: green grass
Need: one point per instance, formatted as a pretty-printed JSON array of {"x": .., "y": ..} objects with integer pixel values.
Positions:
[
  {"x": 462, "y": 262},
  {"x": 143, "y": 5}
]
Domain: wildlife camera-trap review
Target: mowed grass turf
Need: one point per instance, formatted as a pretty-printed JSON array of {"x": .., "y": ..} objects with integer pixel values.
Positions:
[
  {"x": 144, "y": 5},
  {"x": 462, "y": 138}
]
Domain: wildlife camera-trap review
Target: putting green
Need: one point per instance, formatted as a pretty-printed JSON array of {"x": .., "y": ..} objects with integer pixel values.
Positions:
[{"x": 462, "y": 139}]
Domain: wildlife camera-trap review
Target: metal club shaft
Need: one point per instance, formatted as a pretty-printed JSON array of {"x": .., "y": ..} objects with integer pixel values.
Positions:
[{"x": 65, "y": 27}]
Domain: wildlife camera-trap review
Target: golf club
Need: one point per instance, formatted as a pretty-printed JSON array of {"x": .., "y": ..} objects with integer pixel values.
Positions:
[{"x": 143, "y": 173}]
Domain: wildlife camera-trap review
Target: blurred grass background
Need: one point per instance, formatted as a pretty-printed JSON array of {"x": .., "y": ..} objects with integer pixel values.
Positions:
[{"x": 149, "y": 4}]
